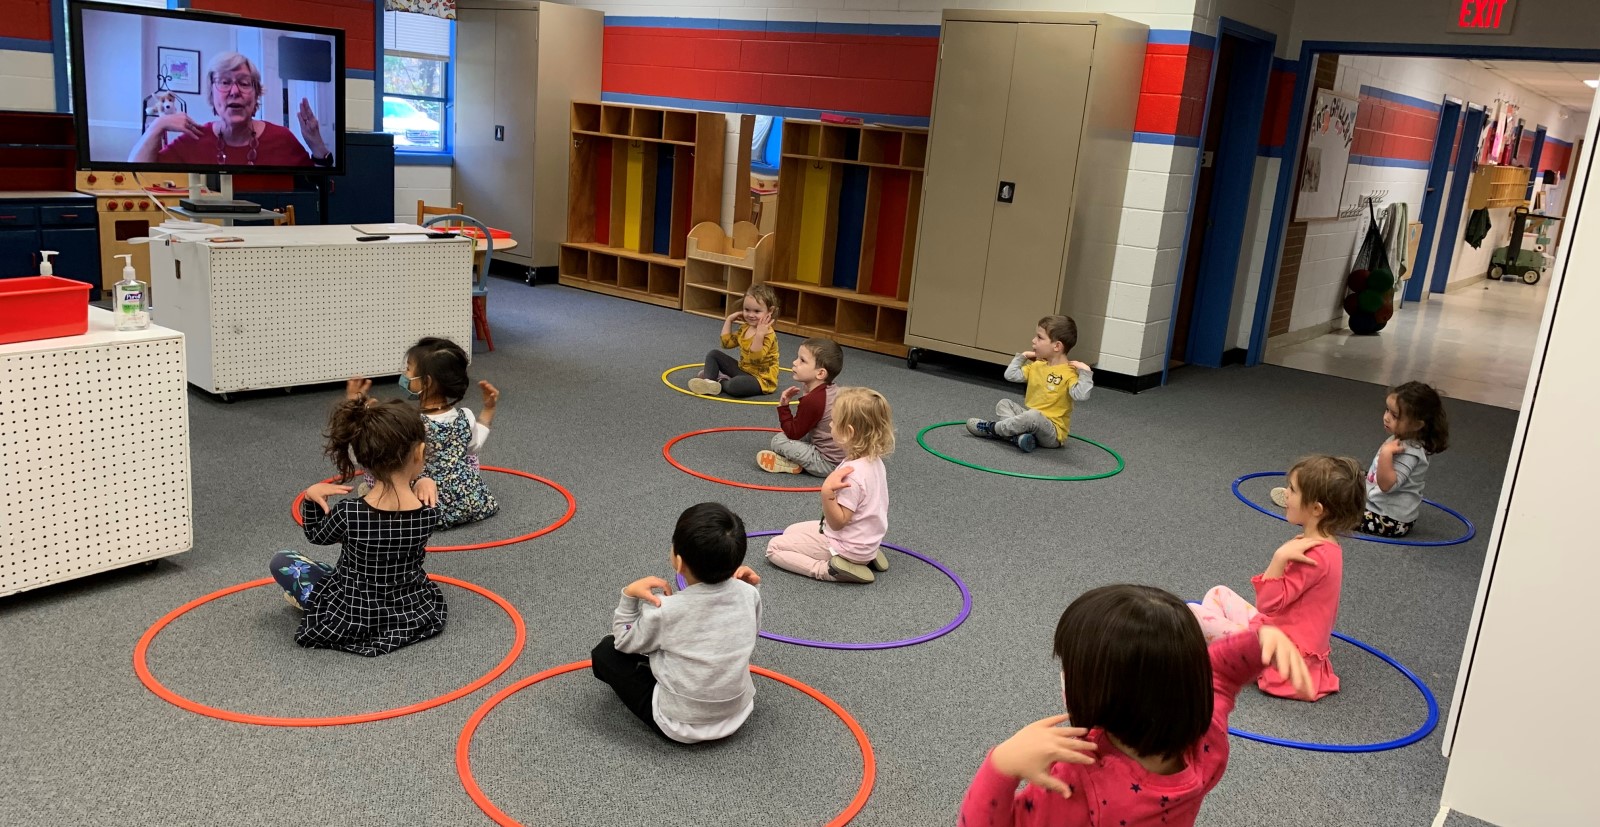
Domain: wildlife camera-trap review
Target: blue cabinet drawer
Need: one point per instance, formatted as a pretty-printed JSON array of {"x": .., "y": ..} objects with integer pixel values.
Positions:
[
  {"x": 19, "y": 216},
  {"x": 83, "y": 216}
]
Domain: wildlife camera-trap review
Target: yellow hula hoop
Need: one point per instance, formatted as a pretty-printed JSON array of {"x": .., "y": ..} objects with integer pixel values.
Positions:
[{"x": 668, "y": 382}]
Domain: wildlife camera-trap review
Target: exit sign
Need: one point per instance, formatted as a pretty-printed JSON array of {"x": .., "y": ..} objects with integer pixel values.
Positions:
[{"x": 1482, "y": 16}]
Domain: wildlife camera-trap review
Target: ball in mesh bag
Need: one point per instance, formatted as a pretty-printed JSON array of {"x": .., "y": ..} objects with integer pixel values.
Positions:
[
  {"x": 1381, "y": 279},
  {"x": 1358, "y": 280}
]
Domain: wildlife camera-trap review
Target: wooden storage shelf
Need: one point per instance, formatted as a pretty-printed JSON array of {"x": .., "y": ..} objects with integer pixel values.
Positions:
[
  {"x": 847, "y": 231},
  {"x": 640, "y": 178},
  {"x": 1498, "y": 187},
  {"x": 724, "y": 266}
]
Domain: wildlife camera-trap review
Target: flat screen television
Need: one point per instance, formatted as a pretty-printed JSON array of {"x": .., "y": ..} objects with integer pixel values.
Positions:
[{"x": 178, "y": 91}]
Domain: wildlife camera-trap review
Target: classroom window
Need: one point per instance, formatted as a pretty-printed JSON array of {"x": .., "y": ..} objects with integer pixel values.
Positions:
[{"x": 416, "y": 81}]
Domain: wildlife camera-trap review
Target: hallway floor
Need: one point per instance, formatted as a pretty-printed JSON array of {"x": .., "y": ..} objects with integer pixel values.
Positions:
[{"x": 1476, "y": 345}]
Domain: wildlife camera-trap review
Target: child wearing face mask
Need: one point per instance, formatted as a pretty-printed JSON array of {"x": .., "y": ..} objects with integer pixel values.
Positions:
[{"x": 436, "y": 375}]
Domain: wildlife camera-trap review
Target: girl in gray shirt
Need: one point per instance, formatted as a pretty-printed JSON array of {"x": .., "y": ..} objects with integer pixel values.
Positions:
[{"x": 1414, "y": 417}]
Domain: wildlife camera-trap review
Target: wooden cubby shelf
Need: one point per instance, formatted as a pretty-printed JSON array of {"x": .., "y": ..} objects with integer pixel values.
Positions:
[
  {"x": 1498, "y": 187},
  {"x": 722, "y": 267},
  {"x": 847, "y": 231},
  {"x": 640, "y": 177}
]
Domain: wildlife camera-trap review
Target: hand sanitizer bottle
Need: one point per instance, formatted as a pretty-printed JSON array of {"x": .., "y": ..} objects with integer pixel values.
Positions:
[
  {"x": 131, "y": 303},
  {"x": 45, "y": 267}
]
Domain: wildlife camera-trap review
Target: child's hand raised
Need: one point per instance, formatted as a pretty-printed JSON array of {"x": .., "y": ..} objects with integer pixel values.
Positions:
[
  {"x": 748, "y": 575},
  {"x": 491, "y": 394},
  {"x": 1078, "y": 365},
  {"x": 320, "y": 493},
  {"x": 356, "y": 387},
  {"x": 789, "y": 393},
  {"x": 1029, "y": 355},
  {"x": 645, "y": 589},
  {"x": 1280, "y": 653},
  {"x": 836, "y": 482},
  {"x": 1030, "y": 753},
  {"x": 1392, "y": 447},
  {"x": 1295, "y": 550}
]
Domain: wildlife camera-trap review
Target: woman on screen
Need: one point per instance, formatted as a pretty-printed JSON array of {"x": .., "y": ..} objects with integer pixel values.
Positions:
[{"x": 236, "y": 139}]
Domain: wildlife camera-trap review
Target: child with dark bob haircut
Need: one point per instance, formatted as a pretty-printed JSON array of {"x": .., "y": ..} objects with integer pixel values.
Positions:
[
  {"x": 1149, "y": 706},
  {"x": 681, "y": 662}
]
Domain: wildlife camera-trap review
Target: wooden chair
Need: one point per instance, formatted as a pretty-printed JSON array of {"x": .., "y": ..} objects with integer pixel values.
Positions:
[
  {"x": 424, "y": 211},
  {"x": 285, "y": 216},
  {"x": 480, "y": 275}
]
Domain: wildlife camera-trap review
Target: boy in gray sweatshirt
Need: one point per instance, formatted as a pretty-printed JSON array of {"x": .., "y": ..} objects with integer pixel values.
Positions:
[{"x": 681, "y": 662}]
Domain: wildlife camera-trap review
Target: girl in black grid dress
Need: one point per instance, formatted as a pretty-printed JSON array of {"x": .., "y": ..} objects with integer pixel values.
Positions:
[{"x": 377, "y": 598}]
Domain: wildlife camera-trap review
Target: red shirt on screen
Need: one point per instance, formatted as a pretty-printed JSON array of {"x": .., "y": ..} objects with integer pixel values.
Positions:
[{"x": 276, "y": 147}]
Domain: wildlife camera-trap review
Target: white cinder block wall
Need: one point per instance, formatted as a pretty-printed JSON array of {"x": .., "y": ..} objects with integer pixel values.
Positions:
[{"x": 27, "y": 81}]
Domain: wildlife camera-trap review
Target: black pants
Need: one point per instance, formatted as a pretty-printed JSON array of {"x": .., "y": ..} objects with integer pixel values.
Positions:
[
  {"x": 630, "y": 677},
  {"x": 738, "y": 383}
]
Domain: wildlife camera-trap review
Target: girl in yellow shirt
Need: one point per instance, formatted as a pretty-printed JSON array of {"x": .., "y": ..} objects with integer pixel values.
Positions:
[{"x": 756, "y": 372}]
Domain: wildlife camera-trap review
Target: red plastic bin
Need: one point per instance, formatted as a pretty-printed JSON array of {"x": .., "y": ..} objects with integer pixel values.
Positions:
[{"x": 42, "y": 307}]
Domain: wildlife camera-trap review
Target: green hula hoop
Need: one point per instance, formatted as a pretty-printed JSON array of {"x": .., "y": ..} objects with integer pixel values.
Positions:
[{"x": 1100, "y": 476}]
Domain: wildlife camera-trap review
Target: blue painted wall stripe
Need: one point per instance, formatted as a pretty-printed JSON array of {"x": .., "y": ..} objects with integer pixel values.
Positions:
[
  {"x": 1375, "y": 161},
  {"x": 1556, "y": 141},
  {"x": 360, "y": 74},
  {"x": 1163, "y": 138},
  {"x": 1396, "y": 97},
  {"x": 792, "y": 26},
  {"x": 23, "y": 44}
]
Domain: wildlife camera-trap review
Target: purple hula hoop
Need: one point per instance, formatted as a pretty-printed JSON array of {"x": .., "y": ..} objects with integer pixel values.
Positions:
[{"x": 966, "y": 609}]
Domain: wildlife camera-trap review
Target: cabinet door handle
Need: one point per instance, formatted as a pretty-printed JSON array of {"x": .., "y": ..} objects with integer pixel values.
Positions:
[{"x": 69, "y": 215}]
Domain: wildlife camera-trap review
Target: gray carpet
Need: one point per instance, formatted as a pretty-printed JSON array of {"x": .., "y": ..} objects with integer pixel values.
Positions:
[{"x": 583, "y": 405}]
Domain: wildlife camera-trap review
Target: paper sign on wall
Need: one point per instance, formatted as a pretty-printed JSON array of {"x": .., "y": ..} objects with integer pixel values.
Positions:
[{"x": 1327, "y": 156}]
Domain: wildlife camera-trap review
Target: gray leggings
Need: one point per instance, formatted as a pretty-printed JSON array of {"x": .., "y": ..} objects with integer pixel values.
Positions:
[{"x": 725, "y": 369}]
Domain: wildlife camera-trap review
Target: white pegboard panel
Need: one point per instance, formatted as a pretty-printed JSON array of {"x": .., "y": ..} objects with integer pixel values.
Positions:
[
  {"x": 298, "y": 315},
  {"x": 95, "y": 466}
]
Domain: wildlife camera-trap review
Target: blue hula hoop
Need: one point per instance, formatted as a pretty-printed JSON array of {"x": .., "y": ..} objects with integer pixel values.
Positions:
[
  {"x": 1472, "y": 530},
  {"x": 1407, "y": 740}
]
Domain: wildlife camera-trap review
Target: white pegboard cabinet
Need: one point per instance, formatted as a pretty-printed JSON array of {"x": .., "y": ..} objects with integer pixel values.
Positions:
[
  {"x": 294, "y": 306},
  {"x": 95, "y": 464}
]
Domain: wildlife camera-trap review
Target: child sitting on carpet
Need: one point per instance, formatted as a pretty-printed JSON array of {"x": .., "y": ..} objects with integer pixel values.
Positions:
[
  {"x": 844, "y": 545},
  {"x": 436, "y": 375},
  {"x": 1054, "y": 383},
  {"x": 1414, "y": 416},
  {"x": 1149, "y": 707},
  {"x": 756, "y": 371},
  {"x": 681, "y": 662},
  {"x": 805, "y": 444},
  {"x": 377, "y": 598},
  {"x": 1299, "y": 591}
]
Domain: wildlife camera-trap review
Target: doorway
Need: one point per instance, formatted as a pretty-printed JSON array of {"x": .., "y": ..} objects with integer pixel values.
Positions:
[
  {"x": 1224, "y": 178},
  {"x": 1438, "y": 173}
]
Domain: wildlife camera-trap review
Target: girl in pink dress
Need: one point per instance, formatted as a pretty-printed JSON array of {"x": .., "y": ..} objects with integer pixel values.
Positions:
[{"x": 1299, "y": 591}]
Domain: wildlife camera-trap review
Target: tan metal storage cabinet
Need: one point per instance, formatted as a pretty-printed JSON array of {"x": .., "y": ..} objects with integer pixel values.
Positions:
[
  {"x": 519, "y": 66},
  {"x": 1027, "y": 162}
]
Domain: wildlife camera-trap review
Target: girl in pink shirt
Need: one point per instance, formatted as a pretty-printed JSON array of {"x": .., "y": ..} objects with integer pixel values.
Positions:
[
  {"x": 843, "y": 545},
  {"x": 1149, "y": 706},
  {"x": 1299, "y": 591}
]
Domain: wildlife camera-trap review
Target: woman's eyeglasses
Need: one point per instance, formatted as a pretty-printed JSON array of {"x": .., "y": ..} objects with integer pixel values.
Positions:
[{"x": 233, "y": 83}]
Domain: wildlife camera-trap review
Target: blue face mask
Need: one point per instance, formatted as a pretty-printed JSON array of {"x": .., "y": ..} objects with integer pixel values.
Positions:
[{"x": 405, "y": 384}]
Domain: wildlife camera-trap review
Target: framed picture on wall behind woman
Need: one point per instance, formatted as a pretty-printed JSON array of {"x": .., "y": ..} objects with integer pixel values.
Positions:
[{"x": 180, "y": 68}]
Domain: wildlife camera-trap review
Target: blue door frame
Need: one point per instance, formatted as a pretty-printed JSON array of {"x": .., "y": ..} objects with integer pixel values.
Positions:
[
  {"x": 1299, "y": 109},
  {"x": 1533, "y": 160},
  {"x": 1443, "y": 143},
  {"x": 1450, "y": 228},
  {"x": 1233, "y": 179}
]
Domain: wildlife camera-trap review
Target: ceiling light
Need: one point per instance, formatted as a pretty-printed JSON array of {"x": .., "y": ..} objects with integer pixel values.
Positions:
[{"x": 1592, "y": 84}]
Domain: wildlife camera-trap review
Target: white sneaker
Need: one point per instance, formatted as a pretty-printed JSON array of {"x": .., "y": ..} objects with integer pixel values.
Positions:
[
  {"x": 705, "y": 387},
  {"x": 1280, "y": 497},
  {"x": 772, "y": 463}
]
